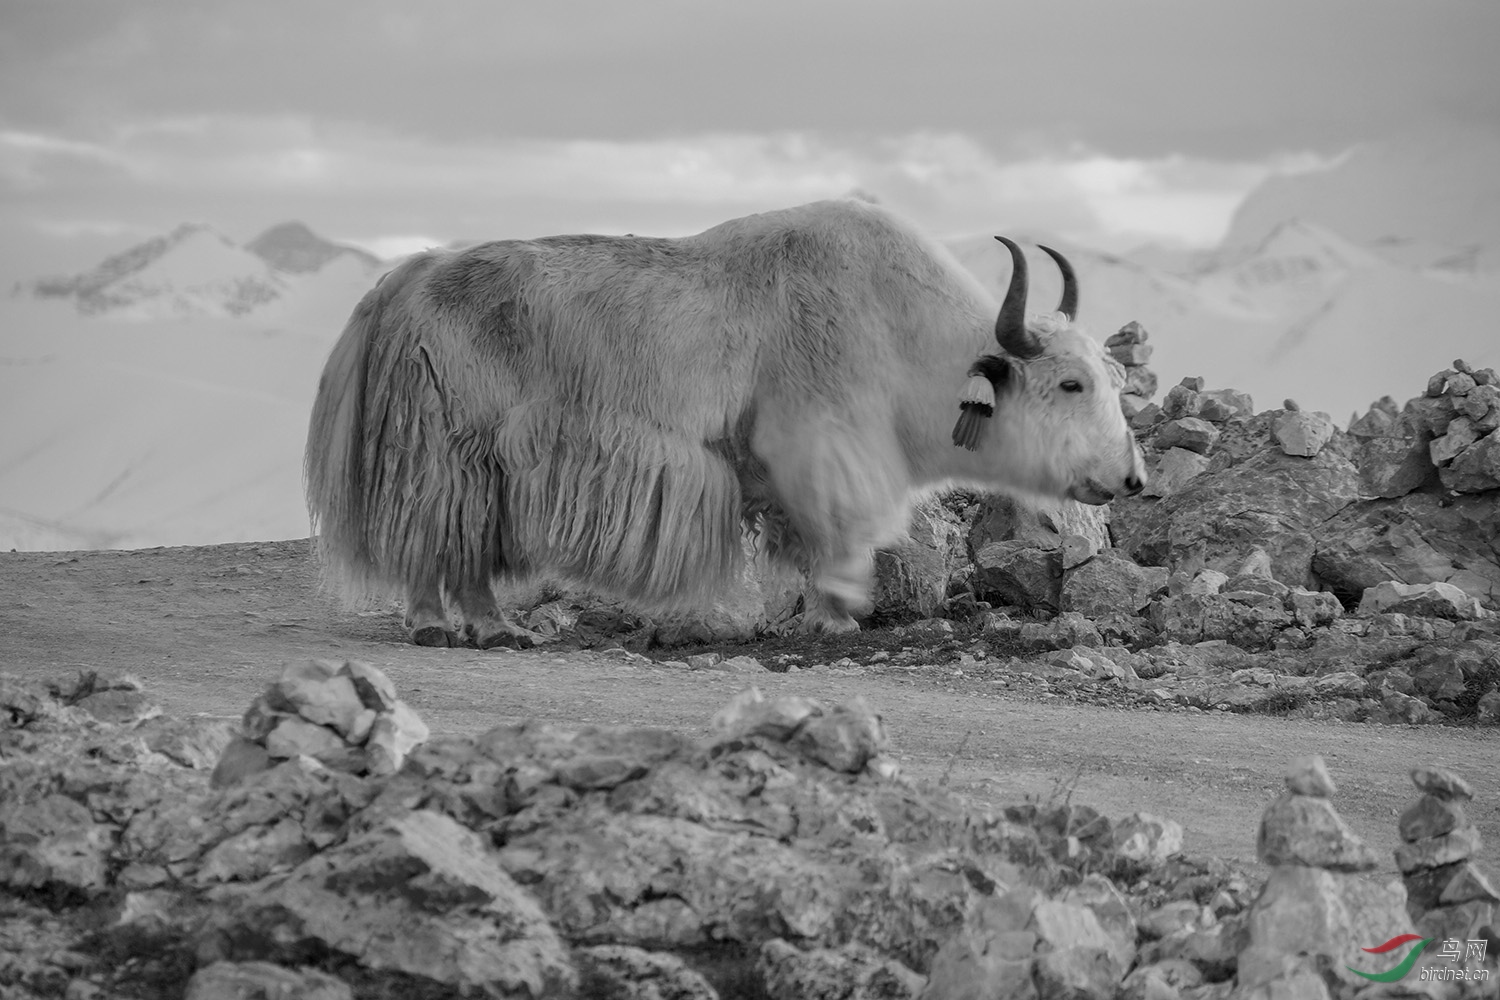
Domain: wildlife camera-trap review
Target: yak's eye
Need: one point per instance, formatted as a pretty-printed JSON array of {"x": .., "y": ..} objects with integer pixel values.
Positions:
[{"x": 1070, "y": 385}]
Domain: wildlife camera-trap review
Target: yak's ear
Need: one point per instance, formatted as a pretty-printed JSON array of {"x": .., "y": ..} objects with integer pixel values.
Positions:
[{"x": 987, "y": 377}]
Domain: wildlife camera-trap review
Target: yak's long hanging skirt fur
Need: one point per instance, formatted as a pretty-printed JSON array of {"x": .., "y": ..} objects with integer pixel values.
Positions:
[{"x": 427, "y": 461}]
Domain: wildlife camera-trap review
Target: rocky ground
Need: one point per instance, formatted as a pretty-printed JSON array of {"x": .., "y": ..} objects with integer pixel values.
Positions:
[{"x": 1075, "y": 753}]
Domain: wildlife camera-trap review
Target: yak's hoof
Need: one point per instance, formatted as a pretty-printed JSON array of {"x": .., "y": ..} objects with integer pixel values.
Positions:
[
  {"x": 514, "y": 638},
  {"x": 826, "y": 625},
  {"x": 433, "y": 635}
]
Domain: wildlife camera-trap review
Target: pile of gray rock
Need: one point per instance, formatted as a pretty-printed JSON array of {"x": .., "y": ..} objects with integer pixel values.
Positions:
[
  {"x": 1447, "y": 896},
  {"x": 345, "y": 715},
  {"x": 782, "y": 856},
  {"x": 1128, "y": 347}
]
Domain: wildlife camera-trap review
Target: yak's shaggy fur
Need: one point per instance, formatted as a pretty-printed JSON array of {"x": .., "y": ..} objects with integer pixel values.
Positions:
[{"x": 615, "y": 410}]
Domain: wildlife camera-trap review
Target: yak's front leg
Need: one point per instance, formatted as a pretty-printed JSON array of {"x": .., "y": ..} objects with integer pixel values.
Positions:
[
  {"x": 426, "y": 618},
  {"x": 486, "y": 625},
  {"x": 839, "y": 589}
]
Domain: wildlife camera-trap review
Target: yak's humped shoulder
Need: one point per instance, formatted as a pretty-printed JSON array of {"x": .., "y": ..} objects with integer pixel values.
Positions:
[
  {"x": 833, "y": 229},
  {"x": 835, "y": 215},
  {"x": 581, "y": 254}
]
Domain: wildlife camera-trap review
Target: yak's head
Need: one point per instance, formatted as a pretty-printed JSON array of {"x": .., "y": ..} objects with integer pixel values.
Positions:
[{"x": 1054, "y": 396}]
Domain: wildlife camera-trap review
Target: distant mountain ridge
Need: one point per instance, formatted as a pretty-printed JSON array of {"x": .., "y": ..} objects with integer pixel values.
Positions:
[
  {"x": 1428, "y": 198},
  {"x": 294, "y": 248},
  {"x": 196, "y": 271}
]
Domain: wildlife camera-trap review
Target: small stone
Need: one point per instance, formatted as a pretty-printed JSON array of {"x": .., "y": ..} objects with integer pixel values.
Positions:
[
  {"x": 1174, "y": 470},
  {"x": 1434, "y": 852},
  {"x": 1140, "y": 381},
  {"x": 1131, "y": 354},
  {"x": 121, "y": 707},
  {"x": 1307, "y": 831},
  {"x": 1298, "y": 984},
  {"x": 1441, "y": 782},
  {"x": 1460, "y": 384},
  {"x": 1302, "y": 434},
  {"x": 295, "y": 736},
  {"x": 704, "y": 661},
  {"x": 1130, "y": 333},
  {"x": 1428, "y": 600},
  {"x": 1430, "y": 816},
  {"x": 845, "y": 738},
  {"x": 1076, "y": 550},
  {"x": 1191, "y": 433},
  {"x": 240, "y": 759},
  {"x": 1468, "y": 885},
  {"x": 1438, "y": 384},
  {"x": 589, "y": 772},
  {"x": 624, "y": 971},
  {"x": 1313, "y": 609},
  {"x": 394, "y": 735},
  {"x": 1257, "y": 564},
  {"x": 1146, "y": 838},
  {"x": 263, "y": 980},
  {"x": 1461, "y": 434},
  {"x": 744, "y": 665},
  {"x": 1180, "y": 401},
  {"x": 1164, "y": 980},
  {"x": 318, "y": 693},
  {"x": 1145, "y": 417},
  {"x": 1223, "y": 405},
  {"x": 1206, "y": 583},
  {"x": 1309, "y": 776},
  {"x": 1132, "y": 404},
  {"x": 1193, "y": 382},
  {"x": 1172, "y": 917},
  {"x": 1290, "y": 405},
  {"x": 375, "y": 689}
]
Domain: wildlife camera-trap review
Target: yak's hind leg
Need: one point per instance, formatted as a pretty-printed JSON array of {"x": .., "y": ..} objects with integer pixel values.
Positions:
[
  {"x": 486, "y": 625},
  {"x": 426, "y": 618}
]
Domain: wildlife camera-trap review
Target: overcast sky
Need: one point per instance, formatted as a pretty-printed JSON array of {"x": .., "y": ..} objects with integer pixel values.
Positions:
[{"x": 1110, "y": 122}]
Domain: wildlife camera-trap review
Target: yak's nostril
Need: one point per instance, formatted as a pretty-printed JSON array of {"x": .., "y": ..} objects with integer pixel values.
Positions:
[{"x": 1134, "y": 484}]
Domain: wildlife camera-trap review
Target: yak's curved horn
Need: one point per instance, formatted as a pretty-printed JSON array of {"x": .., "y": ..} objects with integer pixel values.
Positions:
[
  {"x": 1069, "y": 304},
  {"x": 1010, "y": 325}
]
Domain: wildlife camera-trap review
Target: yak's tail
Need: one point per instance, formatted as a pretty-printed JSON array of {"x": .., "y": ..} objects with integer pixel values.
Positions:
[{"x": 398, "y": 495}]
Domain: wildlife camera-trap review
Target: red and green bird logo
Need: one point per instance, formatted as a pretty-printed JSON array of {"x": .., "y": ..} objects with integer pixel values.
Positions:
[{"x": 1392, "y": 975}]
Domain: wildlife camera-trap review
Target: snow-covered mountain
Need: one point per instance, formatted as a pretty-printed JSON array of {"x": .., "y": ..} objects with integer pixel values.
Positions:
[
  {"x": 185, "y": 426},
  {"x": 1428, "y": 199},
  {"x": 196, "y": 271}
]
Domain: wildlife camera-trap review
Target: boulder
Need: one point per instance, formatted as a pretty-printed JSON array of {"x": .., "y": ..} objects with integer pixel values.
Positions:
[
  {"x": 1019, "y": 573},
  {"x": 1429, "y": 600},
  {"x": 911, "y": 577},
  {"x": 1306, "y": 830},
  {"x": 1190, "y": 433},
  {"x": 1173, "y": 470},
  {"x": 1474, "y": 469},
  {"x": 1108, "y": 583},
  {"x": 419, "y": 894},
  {"x": 1418, "y": 538},
  {"x": 1271, "y": 500},
  {"x": 1302, "y": 433}
]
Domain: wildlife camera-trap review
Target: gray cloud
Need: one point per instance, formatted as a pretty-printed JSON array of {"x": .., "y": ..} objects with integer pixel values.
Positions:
[{"x": 1142, "y": 78}]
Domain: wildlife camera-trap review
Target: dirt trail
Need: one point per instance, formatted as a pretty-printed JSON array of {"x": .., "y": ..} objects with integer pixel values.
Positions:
[{"x": 206, "y": 628}]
